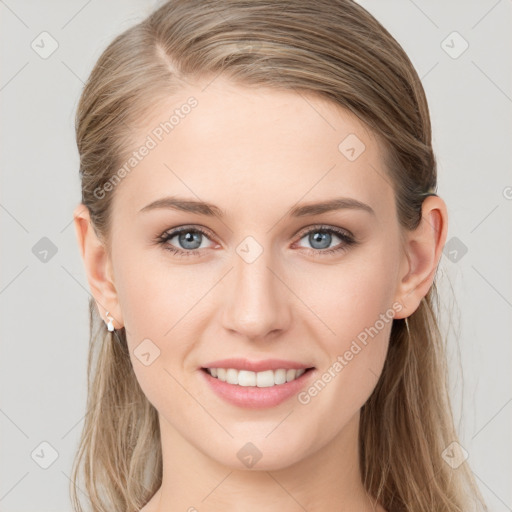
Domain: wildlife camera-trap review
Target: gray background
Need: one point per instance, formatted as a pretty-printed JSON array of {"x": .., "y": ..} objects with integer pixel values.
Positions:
[{"x": 43, "y": 298}]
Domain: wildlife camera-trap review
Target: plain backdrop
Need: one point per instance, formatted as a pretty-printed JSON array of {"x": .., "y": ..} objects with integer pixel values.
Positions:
[{"x": 462, "y": 52}]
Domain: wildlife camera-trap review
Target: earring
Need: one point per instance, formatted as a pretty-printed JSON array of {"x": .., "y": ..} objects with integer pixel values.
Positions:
[
  {"x": 407, "y": 327},
  {"x": 110, "y": 325}
]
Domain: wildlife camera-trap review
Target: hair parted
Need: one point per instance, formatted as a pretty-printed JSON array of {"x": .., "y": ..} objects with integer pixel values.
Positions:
[{"x": 338, "y": 51}]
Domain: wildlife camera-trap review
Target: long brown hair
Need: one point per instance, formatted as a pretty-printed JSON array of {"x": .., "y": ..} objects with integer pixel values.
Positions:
[{"x": 338, "y": 51}]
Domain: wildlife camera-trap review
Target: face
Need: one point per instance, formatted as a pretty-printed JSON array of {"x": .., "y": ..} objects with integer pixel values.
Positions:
[{"x": 256, "y": 276}]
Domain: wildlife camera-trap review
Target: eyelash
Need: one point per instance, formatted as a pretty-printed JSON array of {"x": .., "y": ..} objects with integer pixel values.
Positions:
[{"x": 347, "y": 239}]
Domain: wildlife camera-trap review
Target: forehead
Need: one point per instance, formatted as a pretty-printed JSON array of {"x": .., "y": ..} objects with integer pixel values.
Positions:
[{"x": 253, "y": 148}]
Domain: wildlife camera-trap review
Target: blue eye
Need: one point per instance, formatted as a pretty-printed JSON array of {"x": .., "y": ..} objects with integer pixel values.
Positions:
[
  {"x": 190, "y": 239},
  {"x": 322, "y": 236}
]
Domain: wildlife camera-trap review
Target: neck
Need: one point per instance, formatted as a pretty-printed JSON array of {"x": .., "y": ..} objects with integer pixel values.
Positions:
[{"x": 325, "y": 480}]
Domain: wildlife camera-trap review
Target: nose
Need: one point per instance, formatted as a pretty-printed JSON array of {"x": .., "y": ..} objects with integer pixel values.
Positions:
[{"x": 257, "y": 302}]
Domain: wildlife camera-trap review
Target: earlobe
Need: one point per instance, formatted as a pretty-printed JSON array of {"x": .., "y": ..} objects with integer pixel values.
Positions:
[
  {"x": 97, "y": 266},
  {"x": 423, "y": 249}
]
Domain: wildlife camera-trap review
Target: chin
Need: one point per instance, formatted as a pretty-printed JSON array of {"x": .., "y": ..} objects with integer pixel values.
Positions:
[{"x": 261, "y": 454}]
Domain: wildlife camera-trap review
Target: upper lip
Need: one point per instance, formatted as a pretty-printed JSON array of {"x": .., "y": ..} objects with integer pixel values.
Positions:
[{"x": 240, "y": 363}]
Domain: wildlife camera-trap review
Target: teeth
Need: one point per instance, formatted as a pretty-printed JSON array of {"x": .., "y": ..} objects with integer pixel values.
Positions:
[
  {"x": 231, "y": 376},
  {"x": 263, "y": 379}
]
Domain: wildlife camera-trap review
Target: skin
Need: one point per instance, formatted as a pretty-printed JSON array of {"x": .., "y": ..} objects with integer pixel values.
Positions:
[{"x": 256, "y": 153}]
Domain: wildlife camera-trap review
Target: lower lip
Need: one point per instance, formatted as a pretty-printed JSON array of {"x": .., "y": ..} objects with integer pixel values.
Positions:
[{"x": 253, "y": 397}]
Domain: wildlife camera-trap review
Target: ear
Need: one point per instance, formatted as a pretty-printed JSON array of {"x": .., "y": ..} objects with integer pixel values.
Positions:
[
  {"x": 98, "y": 266},
  {"x": 423, "y": 249}
]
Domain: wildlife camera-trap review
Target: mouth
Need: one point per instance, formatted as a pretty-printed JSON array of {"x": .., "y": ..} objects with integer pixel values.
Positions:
[
  {"x": 251, "y": 389},
  {"x": 262, "y": 379}
]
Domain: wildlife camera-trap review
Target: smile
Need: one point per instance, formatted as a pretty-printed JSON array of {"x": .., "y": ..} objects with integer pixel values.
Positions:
[
  {"x": 255, "y": 390},
  {"x": 264, "y": 379}
]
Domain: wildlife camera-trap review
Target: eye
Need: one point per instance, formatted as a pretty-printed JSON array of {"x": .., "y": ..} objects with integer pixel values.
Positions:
[
  {"x": 321, "y": 237},
  {"x": 191, "y": 240}
]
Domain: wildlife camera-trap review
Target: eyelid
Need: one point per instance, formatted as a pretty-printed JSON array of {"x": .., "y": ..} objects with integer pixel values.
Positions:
[
  {"x": 204, "y": 230},
  {"x": 345, "y": 235},
  {"x": 324, "y": 227},
  {"x": 173, "y": 232}
]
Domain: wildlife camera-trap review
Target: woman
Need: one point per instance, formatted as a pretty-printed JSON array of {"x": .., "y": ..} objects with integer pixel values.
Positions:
[{"x": 261, "y": 231}]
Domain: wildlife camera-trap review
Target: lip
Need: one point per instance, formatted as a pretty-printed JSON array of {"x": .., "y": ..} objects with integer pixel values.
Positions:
[
  {"x": 253, "y": 397},
  {"x": 240, "y": 363}
]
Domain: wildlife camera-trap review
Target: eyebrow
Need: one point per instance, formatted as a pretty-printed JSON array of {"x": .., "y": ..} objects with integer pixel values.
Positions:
[{"x": 208, "y": 209}]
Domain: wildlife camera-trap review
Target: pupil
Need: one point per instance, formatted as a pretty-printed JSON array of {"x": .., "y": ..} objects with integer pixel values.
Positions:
[
  {"x": 319, "y": 237},
  {"x": 189, "y": 237}
]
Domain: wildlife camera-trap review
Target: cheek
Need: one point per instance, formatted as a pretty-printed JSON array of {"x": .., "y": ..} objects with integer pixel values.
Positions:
[
  {"x": 354, "y": 294},
  {"x": 355, "y": 302},
  {"x": 163, "y": 314},
  {"x": 157, "y": 303},
  {"x": 154, "y": 295},
  {"x": 354, "y": 356}
]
